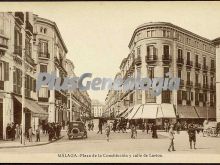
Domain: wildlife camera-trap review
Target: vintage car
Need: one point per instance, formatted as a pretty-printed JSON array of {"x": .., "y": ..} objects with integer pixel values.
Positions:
[{"x": 76, "y": 129}]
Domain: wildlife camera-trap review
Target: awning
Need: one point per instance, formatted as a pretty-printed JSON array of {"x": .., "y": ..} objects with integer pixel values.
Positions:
[
  {"x": 202, "y": 112},
  {"x": 167, "y": 111},
  {"x": 149, "y": 111},
  {"x": 36, "y": 109},
  {"x": 122, "y": 112},
  {"x": 134, "y": 113},
  {"x": 127, "y": 112},
  {"x": 186, "y": 112}
]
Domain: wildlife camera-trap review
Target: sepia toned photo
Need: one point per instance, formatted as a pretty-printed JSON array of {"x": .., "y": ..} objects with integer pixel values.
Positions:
[{"x": 109, "y": 82}]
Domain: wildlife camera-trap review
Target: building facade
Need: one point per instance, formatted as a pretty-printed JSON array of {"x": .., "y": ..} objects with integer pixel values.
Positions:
[
  {"x": 97, "y": 109},
  {"x": 159, "y": 48},
  {"x": 30, "y": 44},
  {"x": 18, "y": 71}
]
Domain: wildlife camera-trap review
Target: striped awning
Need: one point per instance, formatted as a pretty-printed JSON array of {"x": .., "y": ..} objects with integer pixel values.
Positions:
[{"x": 37, "y": 110}]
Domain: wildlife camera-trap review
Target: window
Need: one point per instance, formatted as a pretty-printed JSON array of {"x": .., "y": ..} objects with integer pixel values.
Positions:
[
  {"x": 211, "y": 81},
  {"x": 180, "y": 53},
  {"x": 45, "y": 30},
  {"x": 179, "y": 73},
  {"x": 197, "y": 78},
  {"x": 153, "y": 33},
  {"x": 43, "y": 46},
  {"x": 43, "y": 92},
  {"x": 148, "y": 33},
  {"x": 212, "y": 63},
  {"x": 151, "y": 51},
  {"x": 4, "y": 71},
  {"x": 188, "y": 40},
  {"x": 165, "y": 70},
  {"x": 149, "y": 97},
  {"x": 151, "y": 72},
  {"x": 184, "y": 95},
  {"x": 188, "y": 57},
  {"x": 166, "y": 96},
  {"x": 41, "y": 29},
  {"x": 188, "y": 76},
  {"x": 204, "y": 47},
  {"x": 197, "y": 59},
  {"x": 28, "y": 48},
  {"x": 166, "y": 50},
  {"x": 204, "y": 60},
  {"x": 43, "y": 68},
  {"x": 17, "y": 42}
]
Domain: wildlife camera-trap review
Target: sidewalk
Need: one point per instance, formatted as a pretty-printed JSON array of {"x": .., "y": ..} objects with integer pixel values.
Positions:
[{"x": 17, "y": 144}]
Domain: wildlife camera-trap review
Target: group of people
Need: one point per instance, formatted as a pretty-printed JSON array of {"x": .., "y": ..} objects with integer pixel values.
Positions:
[
  {"x": 52, "y": 129},
  {"x": 191, "y": 133},
  {"x": 13, "y": 131},
  {"x": 90, "y": 126}
]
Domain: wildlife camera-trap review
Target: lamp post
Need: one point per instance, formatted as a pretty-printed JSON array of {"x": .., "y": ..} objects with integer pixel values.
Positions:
[{"x": 23, "y": 99}]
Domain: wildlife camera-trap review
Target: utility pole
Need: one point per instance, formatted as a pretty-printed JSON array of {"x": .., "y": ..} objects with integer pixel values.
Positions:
[{"x": 23, "y": 98}]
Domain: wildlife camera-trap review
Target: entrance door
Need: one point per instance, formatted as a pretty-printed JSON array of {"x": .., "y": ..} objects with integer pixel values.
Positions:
[{"x": 1, "y": 120}]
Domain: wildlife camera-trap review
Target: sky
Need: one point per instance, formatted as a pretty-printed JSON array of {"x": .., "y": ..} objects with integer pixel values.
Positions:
[{"x": 97, "y": 34}]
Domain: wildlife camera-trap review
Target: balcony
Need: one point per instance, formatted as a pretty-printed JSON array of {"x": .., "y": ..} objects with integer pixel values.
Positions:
[
  {"x": 212, "y": 70},
  {"x": 29, "y": 28},
  {"x": 18, "y": 50},
  {"x": 212, "y": 87},
  {"x": 197, "y": 66},
  {"x": 182, "y": 83},
  {"x": 19, "y": 17},
  {"x": 166, "y": 59},
  {"x": 30, "y": 60},
  {"x": 189, "y": 64},
  {"x": 1, "y": 85},
  {"x": 189, "y": 84},
  {"x": 197, "y": 85},
  {"x": 151, "y": 59},
  {"x": 138, "y": 61},
  {"x": 44, "y": 55},
  {"x": 3, "y": 45},
  {"x": 179, "y": 62},
  {"x": 205, "y": 86},
  {"x": 205, "y": 68}
]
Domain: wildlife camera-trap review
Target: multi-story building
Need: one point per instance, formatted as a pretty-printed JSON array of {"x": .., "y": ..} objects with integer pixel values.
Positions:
[
  {"x": 29, "y": 45},
  {"x": 18, "y": 62},
  {"x": 79, "y": 102},
  {"x": 158, "y": 48},
  {"x": 97, "y": 109},
  {"x": 217, "y": 44},
  {"x": 51, "y": 55}
]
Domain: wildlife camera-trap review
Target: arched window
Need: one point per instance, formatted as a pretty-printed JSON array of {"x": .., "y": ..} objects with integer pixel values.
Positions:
[
  {"x": 41, "y": 29},
  {"x": 45, "y": 30}
]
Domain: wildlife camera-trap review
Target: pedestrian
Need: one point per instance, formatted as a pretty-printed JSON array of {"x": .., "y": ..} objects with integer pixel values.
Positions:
[
  {"x": 63, "y": 124},
  {"x": 107, "y": 132},
  {"x": 8, "y": 131},
  {"x": 154, "y": 131},
  {"x": 89, "y": 126},
  {"x": 92, "y": 126},
  {"x": 100, "y": 126},
  {"x": 192, "y": 136},
  {"x": 178, "y": 127},
  {"x": 13, "y": 131},
  {"x": 171, "y": 137},
  {"x": 133, "y": 131},
  {"x": 30, "y": 132},
  {"x": 38, "y": 134},
  {"x": 50, "y": 132},
  {"x": 147, "y": 127}
]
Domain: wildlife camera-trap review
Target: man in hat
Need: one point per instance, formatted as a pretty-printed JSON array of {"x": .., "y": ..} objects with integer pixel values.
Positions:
[
  {"x": 171, "y": 137},
  {"x": 192, "y": 135}
]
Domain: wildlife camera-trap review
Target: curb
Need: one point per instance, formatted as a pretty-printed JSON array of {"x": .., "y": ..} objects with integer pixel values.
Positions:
[{"x": 34, "y": 145}]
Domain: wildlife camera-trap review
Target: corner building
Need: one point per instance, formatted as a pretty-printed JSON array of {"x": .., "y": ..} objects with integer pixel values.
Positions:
[{"x": 157, "y": 48}]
